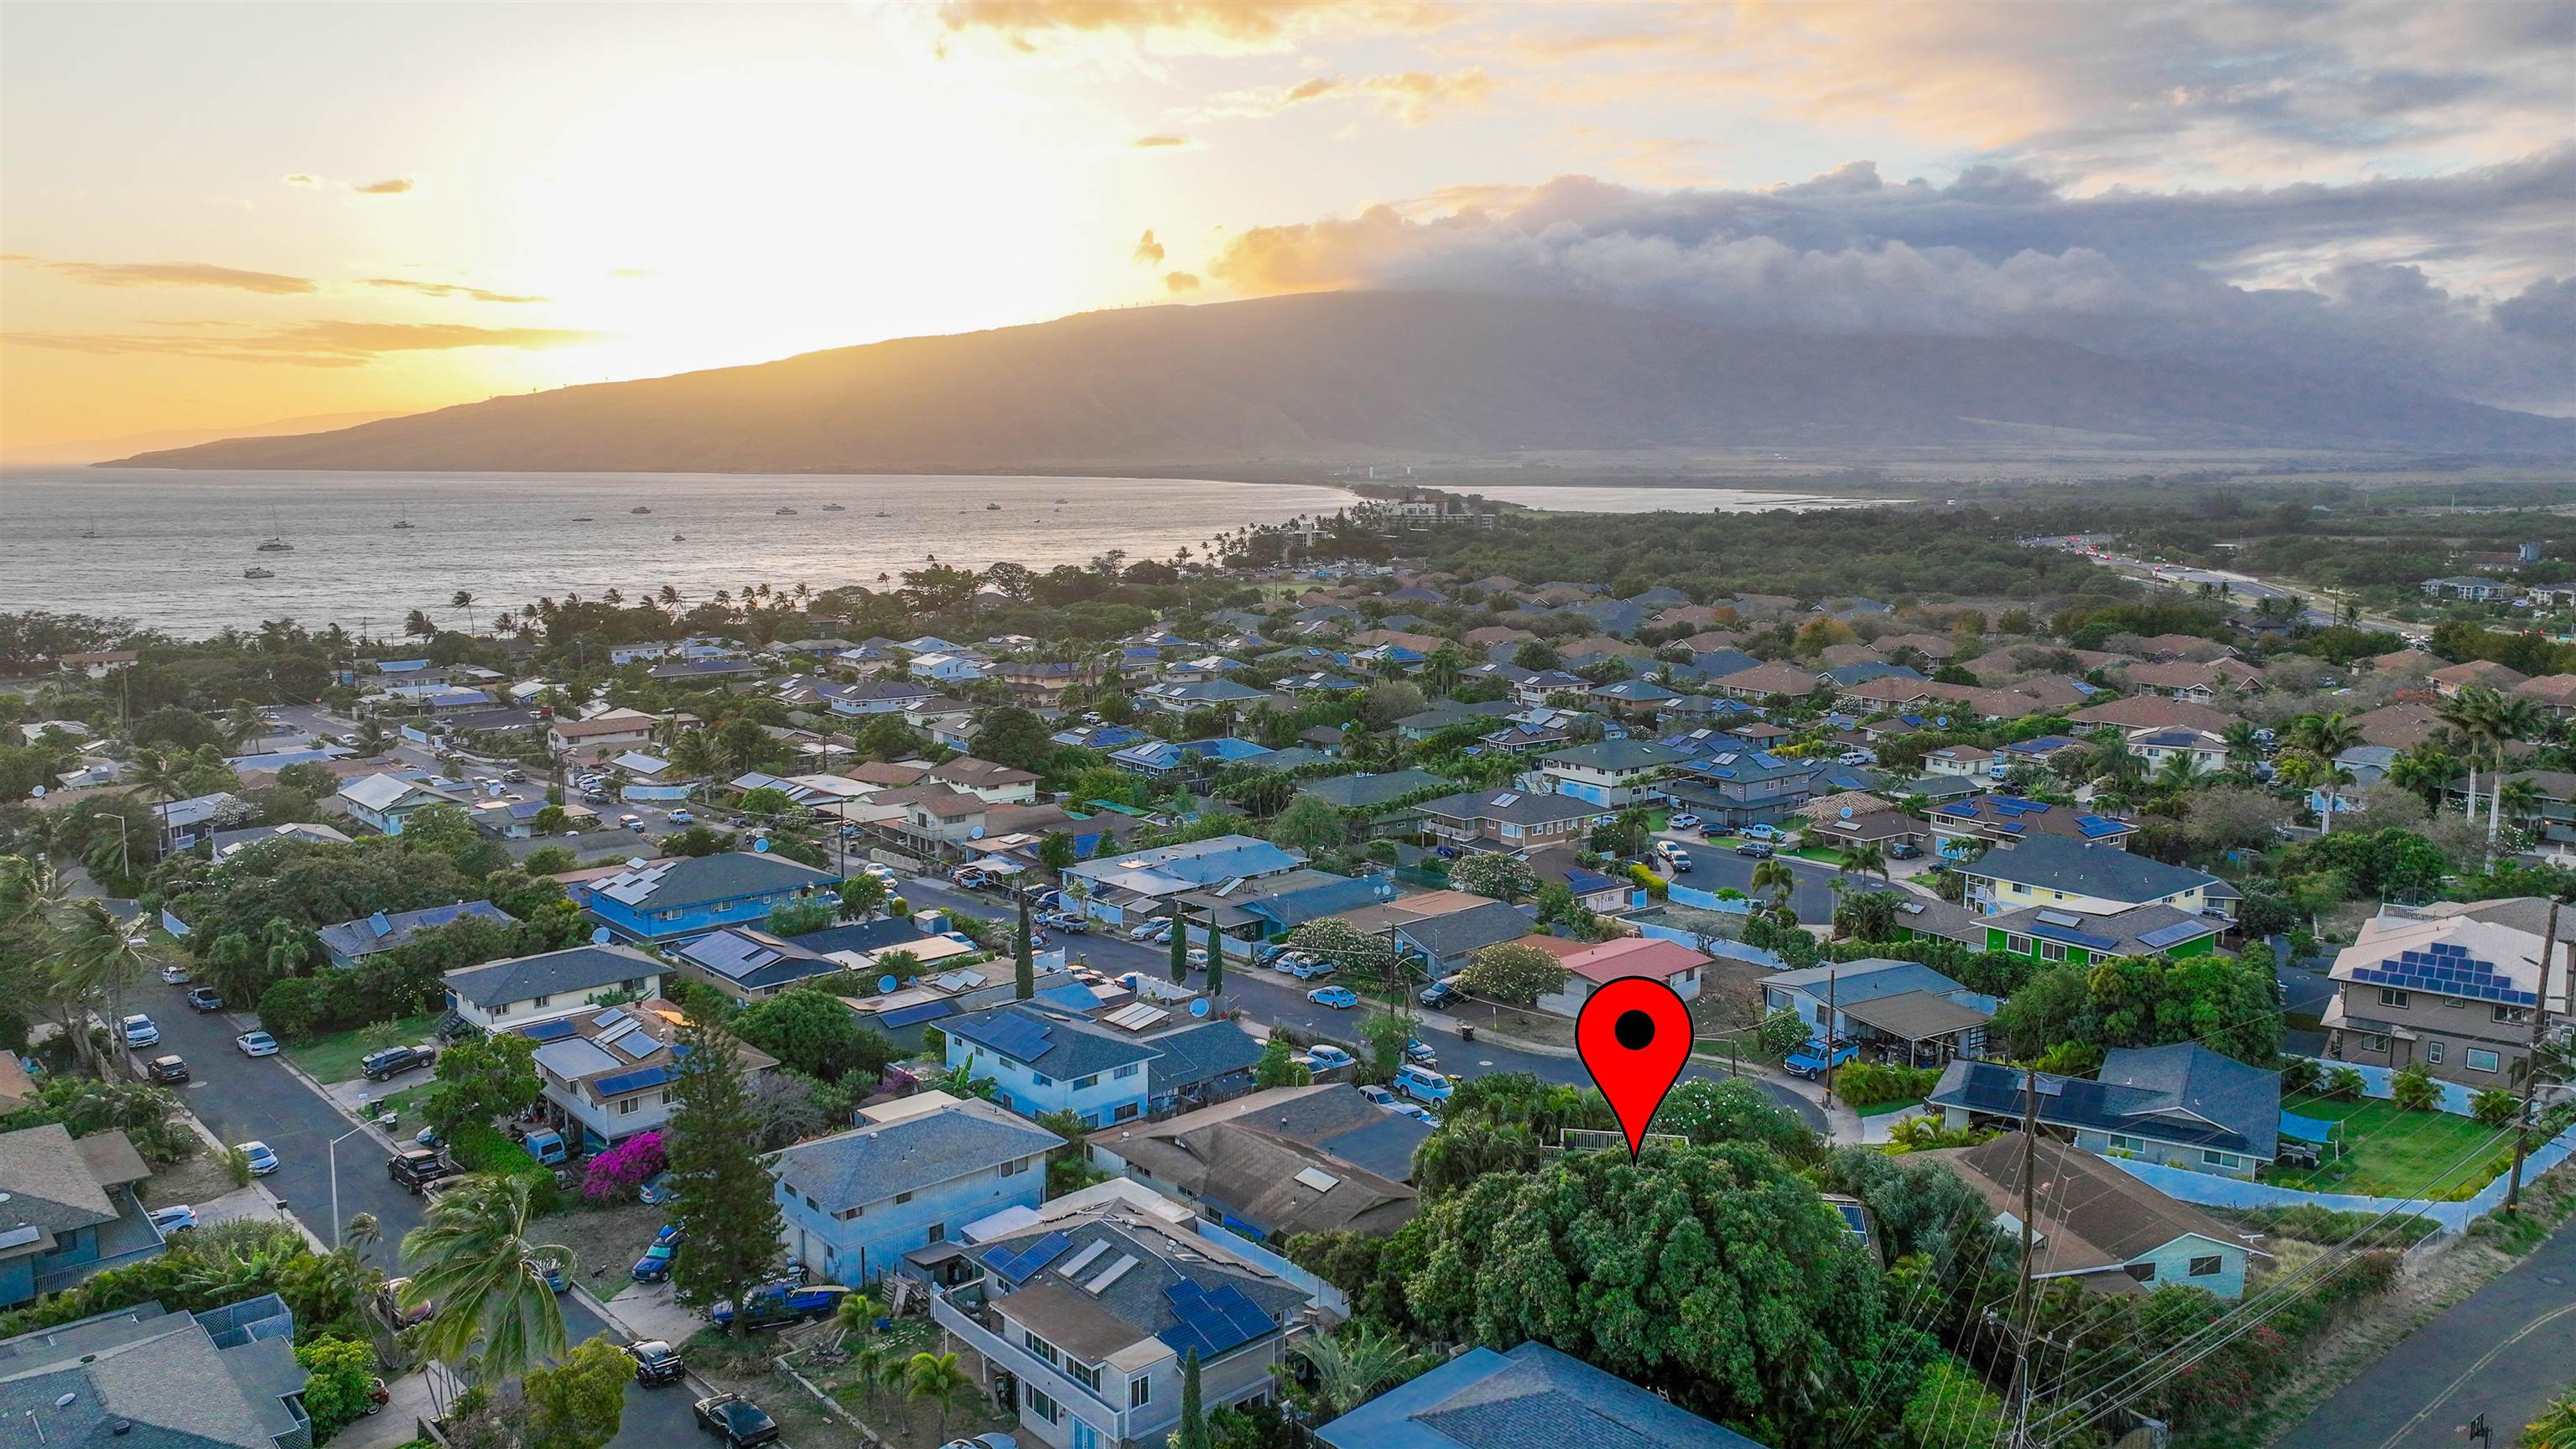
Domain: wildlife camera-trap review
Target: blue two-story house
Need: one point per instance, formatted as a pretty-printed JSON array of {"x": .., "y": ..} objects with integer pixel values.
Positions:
[
  {"x": 68, "y": 1210},
  {"x": 676, "y": 900},
  {"x": 1045, "y": 1060},
  {"x": 911, "y": 1174}
]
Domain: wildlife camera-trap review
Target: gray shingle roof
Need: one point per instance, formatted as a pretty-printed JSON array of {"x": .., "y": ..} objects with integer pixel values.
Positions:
[
  {"x": 1628, "y": 754},
  {"x": 2062, "y": 863},
  {"x": 1074, "y": 1047},
  {"x": 384, "y": 932},
  {"x": 1362, "y": 792},
  {"x": 550, "y": 973},
  {"x": 910, "y": 1154},
  {"x": 1534, "y": 1397}
]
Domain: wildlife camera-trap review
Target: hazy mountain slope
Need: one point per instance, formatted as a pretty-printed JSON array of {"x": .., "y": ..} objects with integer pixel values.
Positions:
[{"x": 1367, "y": 375}]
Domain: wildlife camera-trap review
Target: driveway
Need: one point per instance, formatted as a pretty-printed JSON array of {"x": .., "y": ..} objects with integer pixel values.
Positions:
[
  {"x": 1273, "y": 998},
  {"x": 2501, "y": 1351},
  {"x": 241, "y": 1098}
]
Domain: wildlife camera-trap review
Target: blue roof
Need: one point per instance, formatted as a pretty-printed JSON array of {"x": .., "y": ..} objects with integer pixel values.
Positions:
[
  {"x": 914, "y": 1015},
  {"x": 1533, "y": 1397}
]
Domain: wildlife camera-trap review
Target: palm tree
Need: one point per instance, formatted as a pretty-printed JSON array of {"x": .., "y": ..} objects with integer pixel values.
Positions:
[
  {"x": 2327, "y": 734},
  {"x": 2332, "y": 778},
  {"x": 464, "y": 599},
  {"x": 159, "y": 775},
  {"x": 93, "y": 959},
  {"x": 2425, "y": 768},
  {"x": 1775, "y": 879},
  {"x": 2244, "y": 748},
  {"x": 1867, "y": 858},
  {"x": 1352, "y": 1365},
  {"x": 2180, "y": 772},
  {"x": 472, "y": 1258},
  {"x": 856, "y": 1317},
  {"x": 2471, "y": 714},
  {"x": 936, "y": 1377},
  {"x": 1440, "y": 670},
  {"x": 2517, "y": 800},
  {"x": 361, "y": 1232},
  {"x": 2513, "y": 719}
]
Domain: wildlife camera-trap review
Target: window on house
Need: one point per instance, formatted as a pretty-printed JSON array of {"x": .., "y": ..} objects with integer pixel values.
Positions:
[
  {"x": 2455, "y": 1002},
  {"x": 1140, "y": 1392},
  {"x": 1126, "y": 1110},
  {"x": 2513, "y": 1014},
  {"x": 810, "y": 1204},
  {"x": 2482, "y": 1060},
  {"x": 2127, "y": 1143},
  {"x": 2052, "y": 951},
  {"x": 848, "y": 1213},
  {"x": 2212, "y": 1157},
  {"x": 1041, "y": 1079},
  {"x": 2143, "y": 1272},
  {"x": 545, "y": 1000},
  {"x": 626, "y": 1106},
  {"x": 2371, "y": 1042},
  {"x": 2207, "y": 1267},
  {"x": 1014, "y": 1168},
  {"x": 2391, "y": 996},
  {"x": 2433, "y": 1052},
  {"x": 2018, "y": 945},
  {"x": 1042, "y": 1407},
  {"x": 1126, "y": 1071},
  {"x": 1084, "y": 1083},
  {"x": 901, "y": 1198},
  {"x": 935, "y": 1233},
  {"x": 1041, "y": 1348},
  {"x": 1085, "y": 1374}
]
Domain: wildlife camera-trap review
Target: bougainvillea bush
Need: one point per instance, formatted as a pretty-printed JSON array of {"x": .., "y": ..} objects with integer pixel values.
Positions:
[{"x": 615, "y": 1174}]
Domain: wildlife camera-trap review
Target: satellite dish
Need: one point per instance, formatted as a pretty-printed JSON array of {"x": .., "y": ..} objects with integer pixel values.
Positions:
[
  {"x": 1943, "y": 721},
  {"x": 762, "y": 844},
  {"x": 1847, "y": 812},
  {"x": 1199, "y": 1007},
  {"x": 40, "y": 792},
  {"x": 975, "y": 834},
  {"x": 600, "y": 936},
  {"x": 887, "y": 983}
]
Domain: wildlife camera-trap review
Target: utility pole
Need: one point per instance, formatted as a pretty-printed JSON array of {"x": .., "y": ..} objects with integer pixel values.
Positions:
[
  {"x": 1830, "y": 974},
  {"x": 2021, "y": 1321},
  {"x": 2531, "y": 1062}
]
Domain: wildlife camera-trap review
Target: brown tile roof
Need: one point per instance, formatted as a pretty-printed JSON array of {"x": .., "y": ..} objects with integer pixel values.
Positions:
[
  {"x": 2407, "y": 661},
  {"x": 2151, "y": 710},
  {"x": 1771, "y": 679},
  {"x": 2398, "y": 725},
  {"x": 2482, "y": 673},
  {"x": 2551, "y": 689},
  {"x": 1493, "y": 634},
  {"x": 1930, "y": 646}
]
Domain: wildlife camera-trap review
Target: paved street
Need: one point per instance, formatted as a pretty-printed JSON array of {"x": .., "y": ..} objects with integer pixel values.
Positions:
[
  {"x": 241, "y": 1099},
  {"x": 1716, "y": 867},
  {"x": 2501, "y": 1351},
  {"x": 1272, "y": 998}
]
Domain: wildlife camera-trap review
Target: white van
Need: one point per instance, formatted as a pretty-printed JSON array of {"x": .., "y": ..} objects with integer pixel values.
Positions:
[{"x": 1423, "y": 1084}]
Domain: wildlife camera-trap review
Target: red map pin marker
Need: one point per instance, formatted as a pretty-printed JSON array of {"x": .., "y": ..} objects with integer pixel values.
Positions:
[{"x": 1635, "y": 1036}]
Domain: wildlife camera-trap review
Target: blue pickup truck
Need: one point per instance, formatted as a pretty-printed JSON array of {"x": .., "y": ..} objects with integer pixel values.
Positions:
[
  {"x": 1809, "y": 1061},
  {"x": 774, "y": 1304}
]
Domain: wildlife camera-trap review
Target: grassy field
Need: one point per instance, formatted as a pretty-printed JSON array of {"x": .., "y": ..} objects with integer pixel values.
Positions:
[
  {"x": 334, "y": 1058},
  {"x": 2391, "y": 1152}
]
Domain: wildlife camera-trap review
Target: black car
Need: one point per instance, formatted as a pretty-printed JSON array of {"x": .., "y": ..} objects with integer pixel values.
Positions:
[
  {"x": 738, "y": 1420},
  {"x": 394, "y": 1061},
  {"x": 416, "y": 1168},
  {"x": 1904, "y": 850},
  {"x": 1759, "y": 850},
  {"x": 205, "y": 998},
  {"x": 166, "y": 1071},
  {"x": 656, "y": 1362}
]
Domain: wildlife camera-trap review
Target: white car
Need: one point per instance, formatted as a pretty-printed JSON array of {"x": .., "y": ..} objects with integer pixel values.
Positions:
[
  {"x": 256, "y": 1044},
  {"x": 1328, "y": 1056},
  {"x": 177, "y": 1219},
  {"x": 176, "y": 974},
  {"x": 683, "y": 817},
  {"x": 139, "y": 1031},
  {"x": 1683, "y": 821},
  {"x": 262, "y": 1160}
]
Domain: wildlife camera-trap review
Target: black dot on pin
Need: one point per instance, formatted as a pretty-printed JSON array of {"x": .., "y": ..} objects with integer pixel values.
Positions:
[{"x": 1634, "y": 1029}]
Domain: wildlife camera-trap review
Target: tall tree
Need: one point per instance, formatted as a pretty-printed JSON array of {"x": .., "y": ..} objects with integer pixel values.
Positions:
[
  {"x": 1193, "y": 1430},
  {"x": 1180, "y": 946},
  {"x": 719, "y": 1193},
  {"x": 472, "y": 1258},
  {"x": 1024, "y": 960},
  {"x": 579, "y": 1403},
  {"x": 1216, "y": 960}
]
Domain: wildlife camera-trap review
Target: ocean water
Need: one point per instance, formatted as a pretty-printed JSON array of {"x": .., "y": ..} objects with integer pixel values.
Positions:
[
  {"x": 172, "y": 545},
  {"x": 1563, "y": 498}
]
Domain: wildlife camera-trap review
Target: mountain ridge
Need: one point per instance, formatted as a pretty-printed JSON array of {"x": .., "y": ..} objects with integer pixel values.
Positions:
[{"x": 1344, "y": 376}]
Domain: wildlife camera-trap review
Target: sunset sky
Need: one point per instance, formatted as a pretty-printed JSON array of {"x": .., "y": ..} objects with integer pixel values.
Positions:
[{"x": 226, "y": 214}]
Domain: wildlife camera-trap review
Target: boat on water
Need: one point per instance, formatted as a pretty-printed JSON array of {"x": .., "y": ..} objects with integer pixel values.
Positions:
[
  {"x": 1064, "y": 500},
  {"x": 834, "y": 508},
  {"x": 276, "y": 538},
  {"x": 992, "y": 508},
  {"x": 256, "y": 572},
  {"x": 640, "y": 508},
  {"x": 585, "y": 518},
  {"x": 784, "y": 512},
  {"x": 402, "y": 520},
  {"x": 881, "y": 513},
  {"x": 679, "y": 538}
]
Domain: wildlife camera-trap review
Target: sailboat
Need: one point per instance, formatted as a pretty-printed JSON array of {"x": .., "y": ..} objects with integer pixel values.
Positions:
[
  {"x": 256, "y": 572},
  {"x": 276, "y": 540},
  {"x": 403, "y": 521},
  {"x": 784, "y": 512},
  {"x": 92, "y": 530},
  {"x": 834, "y": 508},
  {"x": 640, "y": 508}
]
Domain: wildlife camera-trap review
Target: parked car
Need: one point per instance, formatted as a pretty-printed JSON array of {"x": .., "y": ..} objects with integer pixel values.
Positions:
[
  {"x": 656, "y": 1362},
  {"x": 736, "y": 1420},
  {"x": 1762, "y": 832},
  {"x": 1339, "y": 998},
  {"x": 1676, "y": 859},
  {"x": 632, "y": 822},
  {"x": 416, "y": 1168},
  {"x": 176, "y": 974},
  {"x": 1287, "y": 960},
  {"x": 1197, "y": 958},
  {"x": 139, "y": 1031},
  {"x": 1856, "y": 757},
  {"x": 553, "y": 1272},
  {"x": 1307, "y": 968},
  {"x": 205, "y": 998},
  {"x": 256, "y": 1044},
  {"x": 1418, "y": 1113},
  {"x": 262, "y": 1161},
  {"x": 1328, "y": 1056},
  {"x": 1682, "y": 820},
  {"x": 684, "y": 817},
  {"x": 1903, "y": 850},
  {"x": 1419, "y": 1051},
  {"x": 1423, "y": 1084},
  {"x": 774, "y": 1305},
  {"x": 994, "y": 1440},
  {"x": 393, "y": 1061},
  {"x": 179, "y": 1219},
  {"x": 515, "y": 776},
  {"x": 1439, "y": 993},
  {"x": 1378, "y": 1096},
  {"x": 1809, "y": 1061},
  {"x": 1756, "y": 849},
  {"x": 655, "y": 1265},
  {"x": 1072, "y": 923},
  {"x": 166, "y": 1071},
  {"x": 1146, "y": 931}
]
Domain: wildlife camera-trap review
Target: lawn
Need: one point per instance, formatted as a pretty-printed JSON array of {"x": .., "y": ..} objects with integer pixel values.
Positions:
[
  {"x": 334, "y": 1058},
  {"x": 2391, "y": 1152}
]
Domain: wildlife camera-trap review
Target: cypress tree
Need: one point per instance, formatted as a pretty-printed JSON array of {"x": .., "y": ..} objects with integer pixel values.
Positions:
[
  {"x": 1180, "y": 947},
  {"x": 1193, "y": 1432},
  {"x": 1216, "y": 959},
  {"x": 720, "y": 1195},
  {"x": 1025, "y": 976}
]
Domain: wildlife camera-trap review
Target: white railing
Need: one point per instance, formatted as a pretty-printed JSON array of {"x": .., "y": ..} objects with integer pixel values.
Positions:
[{"x": 1033, "y": 1370}]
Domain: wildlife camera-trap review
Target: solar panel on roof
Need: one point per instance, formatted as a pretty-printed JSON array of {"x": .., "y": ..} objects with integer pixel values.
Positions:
[
  {"x": 1085, "y": 1258},
  {"x": 1508, "y": 797},
  {"x": 555, "y": 1030},
  {"x": 609, "y": 1017},
  {"x": 1111, "y": 1274},
  {"x": 1020, "y": 1266},
  {"x": 633, "y": 1081},
  {"x": 2179, "y": 931},
  {"x": 2060, "y": 918}
]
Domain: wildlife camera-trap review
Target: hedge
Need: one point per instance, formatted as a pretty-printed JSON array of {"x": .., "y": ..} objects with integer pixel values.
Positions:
[
  {"x": 1865, "y": 1084},
  {"x": 488, "y": 1150}
]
